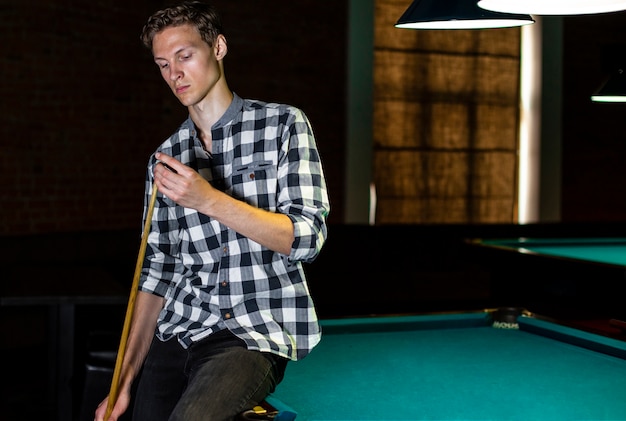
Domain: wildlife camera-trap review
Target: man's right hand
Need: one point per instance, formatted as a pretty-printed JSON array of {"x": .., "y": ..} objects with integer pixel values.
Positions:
[{"x": 121, "y": 405}]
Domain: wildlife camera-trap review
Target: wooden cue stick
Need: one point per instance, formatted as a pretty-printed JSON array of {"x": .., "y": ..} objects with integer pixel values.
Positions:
[{"x": 113, "y": 393}]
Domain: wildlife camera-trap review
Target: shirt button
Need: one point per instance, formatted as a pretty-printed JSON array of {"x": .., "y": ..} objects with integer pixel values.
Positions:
[
  {"x": 227, "y": 316},
  {"x": 252, "y": 176},
  {"x": 225, "y": 249},
  {"x": 224, "y": 283}
]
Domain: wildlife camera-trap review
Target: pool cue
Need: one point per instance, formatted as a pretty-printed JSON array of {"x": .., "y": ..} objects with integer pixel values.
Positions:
[{"x": 113, "y": 393}]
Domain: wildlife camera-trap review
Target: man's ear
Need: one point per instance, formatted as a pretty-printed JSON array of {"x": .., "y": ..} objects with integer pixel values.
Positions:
[{"x": 220, "y": 47}]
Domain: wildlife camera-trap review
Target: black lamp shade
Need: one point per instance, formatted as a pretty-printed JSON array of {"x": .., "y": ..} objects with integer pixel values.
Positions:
[{"x": 456, "y": 14}]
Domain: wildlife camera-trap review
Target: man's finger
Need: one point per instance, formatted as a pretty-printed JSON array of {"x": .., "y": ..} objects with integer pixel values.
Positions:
[{"x": 170, "y": 163}]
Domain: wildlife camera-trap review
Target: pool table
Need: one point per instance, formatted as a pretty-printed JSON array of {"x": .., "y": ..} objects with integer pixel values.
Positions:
[
  {"x": 494, "y": 364},
  {"x": 578, "y": 274},
  {"x": 601, "y": 251}
]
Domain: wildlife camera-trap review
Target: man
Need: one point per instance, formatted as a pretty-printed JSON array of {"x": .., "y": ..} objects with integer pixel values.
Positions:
[{"x": 223, "y": 303}]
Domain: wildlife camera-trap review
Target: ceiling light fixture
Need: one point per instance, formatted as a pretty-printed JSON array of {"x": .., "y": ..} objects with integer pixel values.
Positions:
[
  {"x": 553, "y": 7},
  {"x": 456, "y": 14},
  {"x": 613, "y": 90}
]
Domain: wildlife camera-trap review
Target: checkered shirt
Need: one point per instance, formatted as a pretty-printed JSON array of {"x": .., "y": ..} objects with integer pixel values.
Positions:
[{"x": 213, "y": 278}]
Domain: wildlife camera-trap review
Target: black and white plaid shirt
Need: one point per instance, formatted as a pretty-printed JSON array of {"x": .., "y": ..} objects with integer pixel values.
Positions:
[{"x": 212, "y": 278}]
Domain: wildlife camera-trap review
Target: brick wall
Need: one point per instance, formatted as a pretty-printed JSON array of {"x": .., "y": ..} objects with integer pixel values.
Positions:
[{"x": 83, "y": 106}]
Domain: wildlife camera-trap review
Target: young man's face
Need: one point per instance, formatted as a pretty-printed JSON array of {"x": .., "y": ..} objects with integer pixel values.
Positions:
[{"x": 189, "y": 66}]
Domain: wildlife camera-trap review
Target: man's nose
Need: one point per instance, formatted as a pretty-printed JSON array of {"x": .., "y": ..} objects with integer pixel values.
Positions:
[{"x": 175, "y": 72}]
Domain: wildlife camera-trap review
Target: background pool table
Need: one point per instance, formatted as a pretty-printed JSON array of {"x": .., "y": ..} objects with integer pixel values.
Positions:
[
  {"x": 456, "y": 366},
  {"x": 579, "y": 276},
  {"x": 608, "y": 251}
]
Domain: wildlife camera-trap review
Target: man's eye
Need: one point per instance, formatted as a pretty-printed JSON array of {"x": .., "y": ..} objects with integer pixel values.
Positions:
[{"x": 162, "y": 65}]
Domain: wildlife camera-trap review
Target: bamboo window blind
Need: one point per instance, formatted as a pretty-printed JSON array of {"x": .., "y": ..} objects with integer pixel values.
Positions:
[{"x": 445, "y": 122}]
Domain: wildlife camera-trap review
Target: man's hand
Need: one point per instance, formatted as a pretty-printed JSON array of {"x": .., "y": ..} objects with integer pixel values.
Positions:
[
  {"x": 121, "y": 405},
  {"x": 182, "y": 184}
]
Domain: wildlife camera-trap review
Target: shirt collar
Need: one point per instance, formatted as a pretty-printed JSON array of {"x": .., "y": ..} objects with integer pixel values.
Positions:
[
  {"x": 229, "y": 115},
  {"x": 231, "y": 112}
]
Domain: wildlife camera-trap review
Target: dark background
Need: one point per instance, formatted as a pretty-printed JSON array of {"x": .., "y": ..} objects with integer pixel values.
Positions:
[{"x": 83, "y": 104}]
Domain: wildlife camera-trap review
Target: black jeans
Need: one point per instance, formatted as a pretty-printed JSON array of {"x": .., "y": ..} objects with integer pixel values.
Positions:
[{"x": 213, "y": 380}]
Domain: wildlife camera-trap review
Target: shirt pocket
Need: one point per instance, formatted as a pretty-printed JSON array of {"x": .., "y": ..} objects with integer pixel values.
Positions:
[{"x": 256, "y": 183}]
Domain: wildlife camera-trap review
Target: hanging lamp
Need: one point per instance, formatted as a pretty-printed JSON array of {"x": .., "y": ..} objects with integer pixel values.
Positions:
[
  {"x": 613, "y": 90},
  {"x": 456, "y": 14},
  {"x": 553, "y": 7}
]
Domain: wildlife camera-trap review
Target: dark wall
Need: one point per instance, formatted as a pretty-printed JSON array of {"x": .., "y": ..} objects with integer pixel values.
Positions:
[
  {"x": 594, "y": 135},
  {"x": 83, "y": 105}
]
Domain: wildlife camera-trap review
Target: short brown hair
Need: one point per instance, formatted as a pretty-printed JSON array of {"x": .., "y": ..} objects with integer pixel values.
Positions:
[{"x": 201, "y": 15}]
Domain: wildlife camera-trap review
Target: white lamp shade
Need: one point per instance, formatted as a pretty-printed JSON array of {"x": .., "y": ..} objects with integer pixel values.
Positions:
[{"x": 553, "y": 7}]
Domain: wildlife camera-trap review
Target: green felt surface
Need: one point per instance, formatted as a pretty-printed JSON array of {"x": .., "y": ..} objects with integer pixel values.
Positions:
[
  {"x": 471, "y": 373},
  {"x": 601, "y": 250}
]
